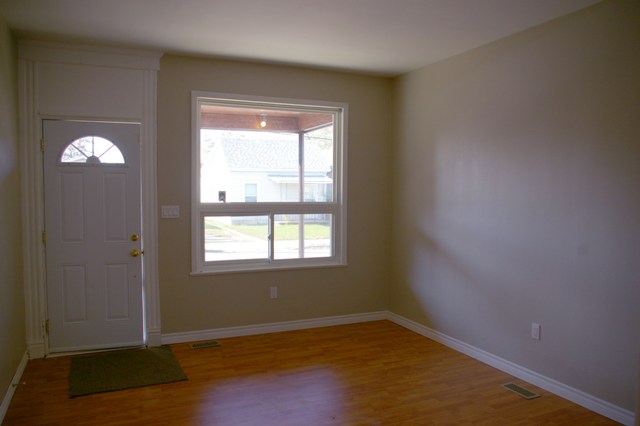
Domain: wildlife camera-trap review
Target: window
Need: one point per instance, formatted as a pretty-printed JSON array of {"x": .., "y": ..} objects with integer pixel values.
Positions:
[
  {"x": 250, "y": 192},
  {"x": 92, "y": 150},
  {"x": 268, "y": 183}
]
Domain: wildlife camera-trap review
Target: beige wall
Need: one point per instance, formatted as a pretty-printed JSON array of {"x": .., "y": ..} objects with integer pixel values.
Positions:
[
  {"x": 517, "y": 187},
  {"x": 205, "y": 302},
  {"x": 513, "y": 197},
  {"x": 517, "y": 190},
  {"x": 12, "y": 331}
]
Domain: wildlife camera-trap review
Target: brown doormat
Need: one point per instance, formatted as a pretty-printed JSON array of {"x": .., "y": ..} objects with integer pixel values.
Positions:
[{"x": 110, "y": 371}]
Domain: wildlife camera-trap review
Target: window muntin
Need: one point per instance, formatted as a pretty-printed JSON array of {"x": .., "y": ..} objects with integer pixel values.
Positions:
[
  {"x": 92, "y": 150},
  {"x": 283, "y": 180}
]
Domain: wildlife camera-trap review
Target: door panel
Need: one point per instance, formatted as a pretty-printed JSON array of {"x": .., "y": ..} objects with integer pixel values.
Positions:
[
  {"x": 72, "y": 206},
  {"x": 92, "y": 207},
  {"x": 115, "y": 194},
  {"x": 117, "y": 291},
  {"x": 74, "y": 286}
]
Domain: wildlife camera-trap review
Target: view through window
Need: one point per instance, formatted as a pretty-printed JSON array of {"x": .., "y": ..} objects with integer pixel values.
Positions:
[
  {"x": 92, "y": 150},
  {"x": 268, "y": 190}
]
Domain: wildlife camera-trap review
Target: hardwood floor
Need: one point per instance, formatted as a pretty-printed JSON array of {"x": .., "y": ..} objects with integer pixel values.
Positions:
[{"x": 375, "y": 373}]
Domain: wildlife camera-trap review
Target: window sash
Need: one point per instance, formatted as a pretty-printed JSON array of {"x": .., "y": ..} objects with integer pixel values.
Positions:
[{"x": 336, "y": 207}]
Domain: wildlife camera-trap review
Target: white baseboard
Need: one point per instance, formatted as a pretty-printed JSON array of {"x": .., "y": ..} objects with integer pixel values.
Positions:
[
  {"x": 12, "y": 386},
  {"x": 221, "y": 333},
  {"x": 583, "y": 399},
  {"x": 36, "y": 349},
  {"x": 154, "y": 338}
]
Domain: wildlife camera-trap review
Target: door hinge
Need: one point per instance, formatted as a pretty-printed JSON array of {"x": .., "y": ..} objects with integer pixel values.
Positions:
[
  {"x": 46, "y": 327},
  {"x": 44, "y": 237},
  {"x": 42, "y": 144}
]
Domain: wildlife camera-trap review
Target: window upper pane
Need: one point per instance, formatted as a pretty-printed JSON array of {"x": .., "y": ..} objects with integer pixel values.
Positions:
[
  {"x": 318, "y": 161},
  {"x": 288, "y": 154},
  {"x": 229, "y": 158}
]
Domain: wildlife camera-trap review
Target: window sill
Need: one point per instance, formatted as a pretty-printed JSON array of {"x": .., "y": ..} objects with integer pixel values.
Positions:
[{"x": 277, "y": 266}]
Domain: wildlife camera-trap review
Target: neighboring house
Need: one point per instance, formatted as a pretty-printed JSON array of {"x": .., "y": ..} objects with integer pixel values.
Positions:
[{"x": 262, "y": 166}]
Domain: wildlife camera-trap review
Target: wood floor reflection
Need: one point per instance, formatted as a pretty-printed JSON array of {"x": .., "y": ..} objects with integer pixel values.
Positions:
[{"x": 375, "y": 373}]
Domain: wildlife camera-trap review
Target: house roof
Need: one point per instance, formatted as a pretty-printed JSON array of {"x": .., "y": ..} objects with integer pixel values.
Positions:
[{"x": 272, "y": 154}]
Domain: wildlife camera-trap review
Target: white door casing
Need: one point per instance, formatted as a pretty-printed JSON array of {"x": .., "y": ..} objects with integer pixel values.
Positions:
[
  {"x": 93, "y": 223},
  {"x": 79, "y": 82}
]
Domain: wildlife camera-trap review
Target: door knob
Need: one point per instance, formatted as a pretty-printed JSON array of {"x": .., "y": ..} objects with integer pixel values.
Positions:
[
  {"x": 135, "y": 237},
  {"x": 135, "y": 253}
]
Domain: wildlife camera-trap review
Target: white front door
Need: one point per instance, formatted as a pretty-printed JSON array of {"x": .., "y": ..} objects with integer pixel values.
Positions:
[{"x": 93, "y": 241}]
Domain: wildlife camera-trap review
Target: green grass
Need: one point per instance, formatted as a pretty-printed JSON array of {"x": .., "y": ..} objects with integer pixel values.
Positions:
[
  {"x": 214, "y": 229},
  {"x": 282, "y": 231}
]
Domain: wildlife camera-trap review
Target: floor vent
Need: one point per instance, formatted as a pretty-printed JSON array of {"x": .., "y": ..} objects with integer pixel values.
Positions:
[
  {"x": 526, "y": 394},
  {"x": 201, "y": 345}
]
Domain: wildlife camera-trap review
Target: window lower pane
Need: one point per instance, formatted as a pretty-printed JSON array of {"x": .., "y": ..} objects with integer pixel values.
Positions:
[
  {"x": 318, "y": 235},
  {"x": 236, "y": 237},
  {"x": 302, "y": 236},
  {"x": 286, "y": 234}
]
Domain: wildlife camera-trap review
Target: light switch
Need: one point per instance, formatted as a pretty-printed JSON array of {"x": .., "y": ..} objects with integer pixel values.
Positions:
[
  {"x": 535, "y": 331},
  {"x": 170, "y": 212}
]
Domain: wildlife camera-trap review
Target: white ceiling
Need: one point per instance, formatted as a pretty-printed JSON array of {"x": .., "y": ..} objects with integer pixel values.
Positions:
[{"x": 387, "y": 37}]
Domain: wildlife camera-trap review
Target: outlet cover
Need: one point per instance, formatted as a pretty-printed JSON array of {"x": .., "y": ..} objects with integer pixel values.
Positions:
[{"x": 535, "y": 331}]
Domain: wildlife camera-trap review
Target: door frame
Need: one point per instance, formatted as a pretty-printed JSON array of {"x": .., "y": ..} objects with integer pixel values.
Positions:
[{"x": 32, "y": 185}]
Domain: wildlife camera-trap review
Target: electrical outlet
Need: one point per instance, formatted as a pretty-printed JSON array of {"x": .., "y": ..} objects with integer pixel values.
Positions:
[
  {"x": 274, "y": 292},
  {"x": 535, "y": 331}
]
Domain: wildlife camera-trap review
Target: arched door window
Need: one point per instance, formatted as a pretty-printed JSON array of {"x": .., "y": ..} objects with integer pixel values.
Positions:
[{"x": 92, "y": 150}]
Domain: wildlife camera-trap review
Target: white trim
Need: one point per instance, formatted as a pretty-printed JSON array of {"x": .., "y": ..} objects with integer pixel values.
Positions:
[
  {"x": 66, "y": 53},
  {"x": 149, "y": 209},
  {"x": 579, "y": 397},
  {"x": 31, "y": 54},
  {"x": 249, "y": 330},
  {"x": 12, "y": 386},
  {"x": 296, "y": 103},
  {"x": 153, "y": 338},
  {"x": 338, "y": 207},
  {"x": 30, "y": 131}
]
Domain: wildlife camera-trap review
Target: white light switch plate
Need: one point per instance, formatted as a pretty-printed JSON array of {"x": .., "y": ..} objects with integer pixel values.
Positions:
[
  {"x": 535, "y": 331},
  {"x": 170, "y": 212}
]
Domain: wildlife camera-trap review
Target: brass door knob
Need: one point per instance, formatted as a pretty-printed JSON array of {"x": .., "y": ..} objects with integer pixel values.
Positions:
[
  {"x": 135, "y": 237},
  {"x": 135, "y": 253}
]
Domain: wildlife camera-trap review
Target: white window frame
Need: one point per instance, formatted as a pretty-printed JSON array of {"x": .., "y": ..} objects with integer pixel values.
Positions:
[{"x": 337, "y": 208}]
